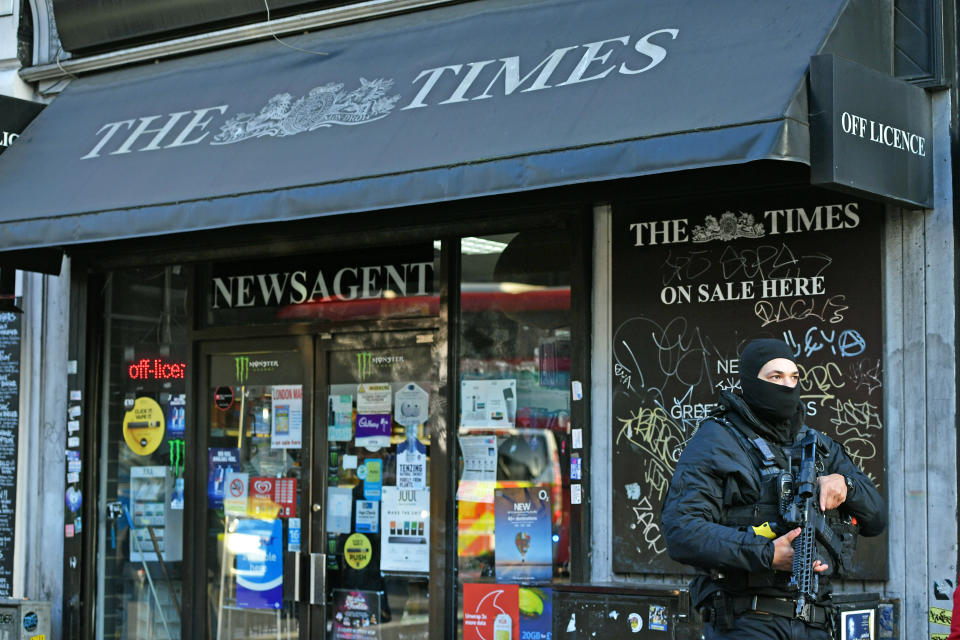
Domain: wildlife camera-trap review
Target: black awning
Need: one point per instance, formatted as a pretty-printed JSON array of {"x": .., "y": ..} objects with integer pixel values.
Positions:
[{"x": 479, "y": 98}]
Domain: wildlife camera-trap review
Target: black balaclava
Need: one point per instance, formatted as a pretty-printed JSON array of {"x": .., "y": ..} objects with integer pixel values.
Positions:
[{"x": 776, "y": 404}]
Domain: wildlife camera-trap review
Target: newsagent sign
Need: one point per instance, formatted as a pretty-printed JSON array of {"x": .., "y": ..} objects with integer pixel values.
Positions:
[
  {"x": 693, "y": 282},
  {"x": 870, "y": 133}
]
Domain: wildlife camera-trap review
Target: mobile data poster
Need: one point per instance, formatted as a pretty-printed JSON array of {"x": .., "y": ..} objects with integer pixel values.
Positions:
[
  {"x": 490, "y": 611},
  {"x": 523, "y": 534}
]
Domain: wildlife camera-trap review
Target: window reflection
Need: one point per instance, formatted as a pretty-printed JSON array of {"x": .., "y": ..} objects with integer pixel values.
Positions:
[{"x": 515, "y": 408}]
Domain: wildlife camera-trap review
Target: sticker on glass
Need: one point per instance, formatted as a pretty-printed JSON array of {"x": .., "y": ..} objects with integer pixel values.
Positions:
[
  {"x": 286, "y": 416},
  {"x": 411, "y": 464},
  {"x": 412, "y": 405},
  {"x": 340, "y": 418},
  {"x": 657, "y": 617}
]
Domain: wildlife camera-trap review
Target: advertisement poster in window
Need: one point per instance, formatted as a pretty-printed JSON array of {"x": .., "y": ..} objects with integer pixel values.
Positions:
[
  {"x": 494, "y": 611},
  {"x": 488, "y": 403},
  {"x": 287, "y": 424},
  {"x": 221, "y": 461},
  {"x": 259, "y": 563},
  {"x": 405, "y": 530},
  {"x": 488, "y": 608},
  {"x": 523, "y": 534},
  {"x": 411, "y": 465},
  {"x": 340, "y": 418},
  {"x": 356, "y": 615},
  {"x": 479, "y": 476}
]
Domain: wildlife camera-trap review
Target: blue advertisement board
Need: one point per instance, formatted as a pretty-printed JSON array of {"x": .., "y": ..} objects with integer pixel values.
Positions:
[
  {"x": 523, "y": 534},
  {"x": 221, "y": 460},
  {"x": 259, "y": 564}
]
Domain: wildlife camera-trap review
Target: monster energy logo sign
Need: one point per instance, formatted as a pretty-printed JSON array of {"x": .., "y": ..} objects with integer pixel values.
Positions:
[
  {"x": 244, "y": 365},
  {"x": 367, "y": 362}
]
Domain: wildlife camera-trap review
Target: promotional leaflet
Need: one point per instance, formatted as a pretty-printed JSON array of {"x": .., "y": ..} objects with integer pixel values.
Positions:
[
  {"x": 374, "y": 398},
  {"x": 339, "y": 507},
  {"x": 220, "y": 462},
  {"x": 412, "y": 405},
  {"x": 287, "y": 416},
  {"x": 237, "y": 491},
  {"x": 373, "y": 430},
  {"x": 371, "y": 472},
  {"x": 479, "y": 475},
  {"x": 356, "y": 615},
  {"x": 405, "y": 530},
  {"x": 486, "y": 605},
  {"x": 260, "y": 564},
  {"x": 143, "y": 426},
  {"x": 524, "y": 612},
  {"x": 411, "y": 464},
  {"x": 177, "y": 417},
  {"x": 340, "y": 418},
  {"x": 368, "y": 516},
  {"x": 293, "y": 534},
  {"x": 272, "y": 497},
  {"x": 523, "y": 534},
  {"x": 488, "y": 403}
]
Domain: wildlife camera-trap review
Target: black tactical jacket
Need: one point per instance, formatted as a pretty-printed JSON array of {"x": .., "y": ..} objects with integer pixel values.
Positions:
[{"x": 717, "y": 471}]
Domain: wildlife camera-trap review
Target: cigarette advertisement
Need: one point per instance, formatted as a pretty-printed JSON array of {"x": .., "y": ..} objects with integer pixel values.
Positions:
[
  {"x": 405, "y": 530},
  {"x": 488, "y": 403}
]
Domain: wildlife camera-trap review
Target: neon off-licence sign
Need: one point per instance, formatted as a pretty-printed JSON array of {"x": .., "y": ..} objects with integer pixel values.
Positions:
[{"x": 156, "y": 369}]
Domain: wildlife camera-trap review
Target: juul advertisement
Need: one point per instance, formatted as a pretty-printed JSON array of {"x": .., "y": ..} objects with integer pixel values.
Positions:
[{"x": 692, "y": 284}]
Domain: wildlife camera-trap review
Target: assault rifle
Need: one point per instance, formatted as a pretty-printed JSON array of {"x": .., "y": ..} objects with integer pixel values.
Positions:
[{"x": 802, "y": 509}]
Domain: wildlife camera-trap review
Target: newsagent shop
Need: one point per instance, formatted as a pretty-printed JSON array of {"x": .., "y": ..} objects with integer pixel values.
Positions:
[{"x": 398, "y": 331}]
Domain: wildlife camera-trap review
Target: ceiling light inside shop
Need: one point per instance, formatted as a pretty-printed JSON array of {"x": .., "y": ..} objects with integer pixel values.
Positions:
[{"x": 477, "y": 246}]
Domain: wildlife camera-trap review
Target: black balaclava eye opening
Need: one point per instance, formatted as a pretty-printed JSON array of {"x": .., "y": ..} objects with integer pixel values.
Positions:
[{"x": 776, "y": 404}]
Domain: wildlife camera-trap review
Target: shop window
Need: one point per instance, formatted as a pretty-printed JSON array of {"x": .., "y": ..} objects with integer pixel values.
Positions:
[
  {"x": 142, "y": 457},
  {"x": 513, "y": 497}
]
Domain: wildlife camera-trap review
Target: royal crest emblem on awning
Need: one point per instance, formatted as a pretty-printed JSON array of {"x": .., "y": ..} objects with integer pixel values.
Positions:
[{"x": 322, "y": 107}]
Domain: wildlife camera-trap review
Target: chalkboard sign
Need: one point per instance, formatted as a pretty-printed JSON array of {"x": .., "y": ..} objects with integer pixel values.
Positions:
[
  {"x": 692, "y": 284},
  {"x": 9, "y": 412}
]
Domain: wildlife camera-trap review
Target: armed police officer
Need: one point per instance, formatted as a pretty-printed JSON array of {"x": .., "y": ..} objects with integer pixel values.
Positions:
[{"x": 735, "y": 505}]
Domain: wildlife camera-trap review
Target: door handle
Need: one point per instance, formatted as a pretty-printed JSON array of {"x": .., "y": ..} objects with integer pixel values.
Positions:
[
  {"x": 316, "y": 507},
  {"x": 292, "y": 584},
  {"x": 318, "y": 578}
]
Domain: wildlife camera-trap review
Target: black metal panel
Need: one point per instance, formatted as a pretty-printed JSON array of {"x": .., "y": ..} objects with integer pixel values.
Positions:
[
  {"x": 592, "y": 91},
  {"x": 693, "y": 282},
  {"x": 870, "y": 133},
  {"x": 85, "y": 25},
  {"x": 918, "y": 45},
  {"x": 616, "y": 613},
  {"x": 15, "y": 115}
]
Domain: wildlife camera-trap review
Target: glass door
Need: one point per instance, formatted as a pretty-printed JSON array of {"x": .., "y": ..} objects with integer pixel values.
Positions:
[
  {"x": 257, "y": 416},
  {"x": 379, "y": 395}
]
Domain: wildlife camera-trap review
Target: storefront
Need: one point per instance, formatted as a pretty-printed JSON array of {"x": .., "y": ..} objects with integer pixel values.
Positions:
[{"x": 396, "y": 332}]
